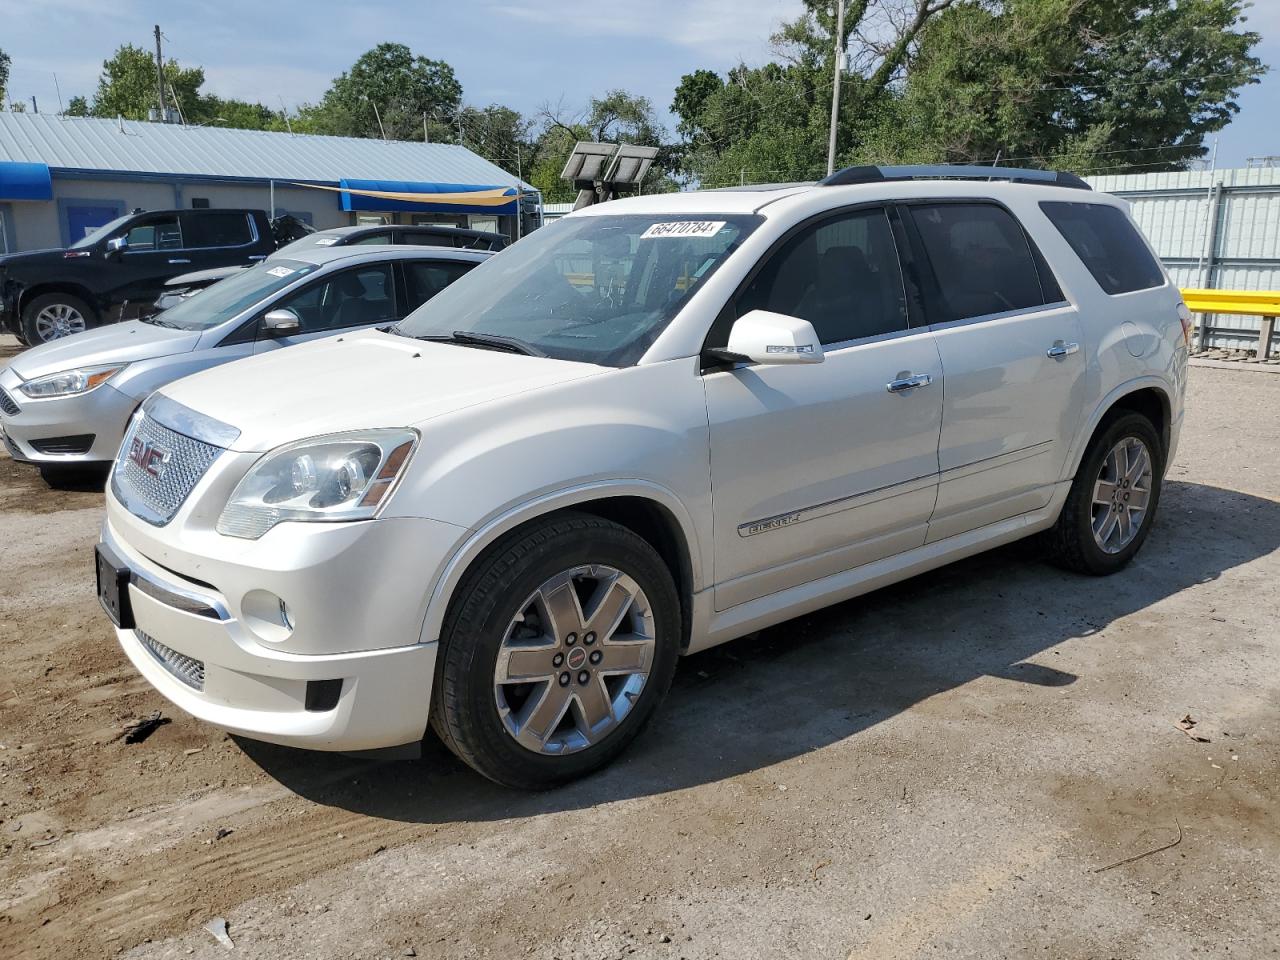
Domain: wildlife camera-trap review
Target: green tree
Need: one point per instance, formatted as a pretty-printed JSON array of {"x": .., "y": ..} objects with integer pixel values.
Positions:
[
  {"x": 498, "y": 134},
  {"x": 77, "y": 106},
  {"x": 4, "y": 78},
  {"x": 1085, "y": 85},
  {"x": 389, "y": 83}
]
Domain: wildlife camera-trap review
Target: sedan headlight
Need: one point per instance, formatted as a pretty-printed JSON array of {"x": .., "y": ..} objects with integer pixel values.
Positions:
[
  {"x": 346, "y": 476},
  {"x": 69, "y": 383}
]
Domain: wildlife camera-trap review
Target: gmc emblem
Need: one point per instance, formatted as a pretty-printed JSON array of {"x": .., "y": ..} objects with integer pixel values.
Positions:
[{"x": 150, "y": 458}]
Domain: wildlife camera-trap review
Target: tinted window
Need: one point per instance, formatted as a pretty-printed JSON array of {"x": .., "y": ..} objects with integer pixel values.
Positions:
[
  {"x": 161, "y": 233},
  {"x": 424, "y": 238},
  {"x": 362, "y": 295},
  {"x": 1107, "y": 244},
  {"x": 425, "y": 278},
  {"x": 383, "y": 237},
  {"x": 234, "y": 295},
  {"x": 841, "y": 275},
  {"x": 981, "y": 260},
  {"x": 214, "y": 229}
]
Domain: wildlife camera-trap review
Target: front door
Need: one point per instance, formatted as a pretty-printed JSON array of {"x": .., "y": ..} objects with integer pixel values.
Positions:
[
  {"x": 360, "y": 296},
  {"x": 153, "y": 255},
  {"x": 1011, "y": 346},
  {"x": 819, "y": 468}
]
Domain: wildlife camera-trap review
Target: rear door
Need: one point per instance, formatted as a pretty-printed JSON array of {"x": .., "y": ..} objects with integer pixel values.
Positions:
[
  {"x": 220, "y": 238},
  {"x": 1011, "y": 347},
  {"x": 818, "y": 468}
]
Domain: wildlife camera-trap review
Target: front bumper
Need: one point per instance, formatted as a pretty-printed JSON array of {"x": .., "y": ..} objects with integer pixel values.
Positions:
[
  {"x": 356, "y": 595},
  {"x": 102, "y": 414}
]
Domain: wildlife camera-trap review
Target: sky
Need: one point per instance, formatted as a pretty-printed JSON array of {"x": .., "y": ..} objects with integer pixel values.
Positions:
[{"x": 526, "y": 55}]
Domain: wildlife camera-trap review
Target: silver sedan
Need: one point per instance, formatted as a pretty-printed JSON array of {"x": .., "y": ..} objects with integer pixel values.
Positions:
[{"x": 64, "y": 405}]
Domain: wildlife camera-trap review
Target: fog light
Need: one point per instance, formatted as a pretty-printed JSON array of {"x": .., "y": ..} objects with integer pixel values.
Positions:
[{"x": 267, "y": 615}]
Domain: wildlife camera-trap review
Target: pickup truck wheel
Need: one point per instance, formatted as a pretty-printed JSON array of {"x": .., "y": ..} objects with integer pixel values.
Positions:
[
  {"x": 52, "y": 316},
  {"x": 556, "y": 652},
  {"x": 1113, "y": 499}
]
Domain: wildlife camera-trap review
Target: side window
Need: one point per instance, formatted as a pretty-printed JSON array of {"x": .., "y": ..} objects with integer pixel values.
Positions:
[
  {"x": 425, "y": 278},
  {"x": 218, "y": 229},
  {"x": 1107, "y": 243},
  {"x": 426, "y": 239},
  {"x": 158, "y": 233},
  {"x": 842, "y": 275},
  {"x": 981, "y": 259},
  {"x": 384, "y": 237},
  {"x": 362, "y": 295}
]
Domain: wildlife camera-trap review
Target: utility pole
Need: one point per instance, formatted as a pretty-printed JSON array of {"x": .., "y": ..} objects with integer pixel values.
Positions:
[
  {"x": 159, "y": 76},
  {"x": 835, "y": 87},
  {"x": 34, "y": 108}
]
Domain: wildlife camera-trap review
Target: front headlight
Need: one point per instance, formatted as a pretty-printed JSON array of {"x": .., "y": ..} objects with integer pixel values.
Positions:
[
  {"x": 345, "y": 476},
  {"x": 71, "y": 382}
]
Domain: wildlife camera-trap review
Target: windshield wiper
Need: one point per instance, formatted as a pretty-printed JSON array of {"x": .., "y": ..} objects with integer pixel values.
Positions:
[
  {"x": 491, "y": 341},
  {"x": 156, "y": 321}
]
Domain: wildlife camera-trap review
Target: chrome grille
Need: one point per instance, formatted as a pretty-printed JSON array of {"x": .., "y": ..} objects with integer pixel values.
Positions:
[
  {"x": 157, "y": 468},
  {"x": 7, "y": 404},
  {"x": 187, "y": 669}
]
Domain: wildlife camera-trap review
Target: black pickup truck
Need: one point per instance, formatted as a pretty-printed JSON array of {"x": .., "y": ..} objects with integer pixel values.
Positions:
[{"x": 117, "y": 271}]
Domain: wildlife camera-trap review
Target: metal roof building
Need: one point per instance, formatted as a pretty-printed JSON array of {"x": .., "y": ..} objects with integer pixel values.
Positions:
[
  {"x": 61, "y": 176},
  {"x": 1213, "y": 229}
]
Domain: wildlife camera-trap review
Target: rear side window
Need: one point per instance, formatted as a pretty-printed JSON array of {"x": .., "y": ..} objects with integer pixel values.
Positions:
[
  {"x": 425, "y": 278},
  {"x": 214, "y": 229},
  {"x": 1107, "y": 244},
  {"x": 981, "y": 259}
]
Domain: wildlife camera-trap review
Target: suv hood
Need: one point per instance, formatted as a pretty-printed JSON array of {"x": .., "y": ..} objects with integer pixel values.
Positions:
[
  {"x": 359, "y": 381},
  {"x": 121, "y": 342},
  {"x": 49, "y": 255}
]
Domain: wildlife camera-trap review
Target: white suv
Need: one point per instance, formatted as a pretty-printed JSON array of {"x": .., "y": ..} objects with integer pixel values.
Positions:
[{"x": 654, "y": 426}]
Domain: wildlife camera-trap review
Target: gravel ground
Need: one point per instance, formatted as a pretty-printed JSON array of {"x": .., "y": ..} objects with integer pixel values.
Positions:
[{"x": 981, "y": 762}]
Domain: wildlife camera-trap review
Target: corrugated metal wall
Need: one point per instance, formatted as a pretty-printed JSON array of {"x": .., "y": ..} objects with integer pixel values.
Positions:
[{"x": 1173, "y": 210}]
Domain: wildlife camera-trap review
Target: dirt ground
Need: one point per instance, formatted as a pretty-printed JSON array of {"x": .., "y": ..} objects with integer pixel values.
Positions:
[{"x": 981, "y": 762}]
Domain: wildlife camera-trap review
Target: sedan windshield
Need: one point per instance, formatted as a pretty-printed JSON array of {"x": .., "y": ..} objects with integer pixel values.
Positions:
[
  {"x": 597, "y": 289},
  {"x": 232, "y": 296}
]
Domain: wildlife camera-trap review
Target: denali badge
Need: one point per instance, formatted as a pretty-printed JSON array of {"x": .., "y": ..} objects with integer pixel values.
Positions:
[
  {"x": 773, "y": 523},
  {"x": 149, "y": 457}
]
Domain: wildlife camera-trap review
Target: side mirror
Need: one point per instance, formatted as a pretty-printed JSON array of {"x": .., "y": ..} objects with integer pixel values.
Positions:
[
  {"x": 770, "y": 338},
  {"x": 117, "y": 246},
  {"x": 281, "y": 323}
]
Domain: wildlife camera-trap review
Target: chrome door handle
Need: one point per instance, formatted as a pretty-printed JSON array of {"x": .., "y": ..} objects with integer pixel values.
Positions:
[
  {"x": 908, "y": 383},
  {"x": 179, "y": 261},
  {"x": 1060, "y": 349}
]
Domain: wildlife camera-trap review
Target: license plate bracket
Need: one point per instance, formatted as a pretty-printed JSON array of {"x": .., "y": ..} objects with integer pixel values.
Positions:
[{"x": 113, "y": 587}]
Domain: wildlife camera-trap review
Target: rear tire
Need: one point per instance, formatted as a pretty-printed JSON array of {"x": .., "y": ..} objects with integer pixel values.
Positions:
[
  {"x": 52, "y": 316},
  {"x": 550, "y": 593},
  {"x": 1112, "y": 503}
]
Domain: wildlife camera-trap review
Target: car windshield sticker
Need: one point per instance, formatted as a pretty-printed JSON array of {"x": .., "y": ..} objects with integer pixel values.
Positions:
[
  {"x": 280, "y": 271},
  {"x": 683, "y": 228},
  {"x": 326, "y": 241}
]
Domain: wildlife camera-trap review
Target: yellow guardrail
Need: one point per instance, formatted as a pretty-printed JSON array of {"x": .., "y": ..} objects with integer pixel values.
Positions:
[
  {"x": 1249, "y": 303},
  {"x": 1264, "y": 304}
]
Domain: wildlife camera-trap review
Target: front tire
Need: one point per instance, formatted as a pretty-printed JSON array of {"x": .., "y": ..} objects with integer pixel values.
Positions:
[
  {"x": 556, "y": 652},
  {"x": 1112, "y": 503},
  {"x": 52, "y": 316}
]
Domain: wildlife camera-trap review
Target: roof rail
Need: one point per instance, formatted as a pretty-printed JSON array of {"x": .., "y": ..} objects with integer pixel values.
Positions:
[{"x": 943, "y": 171}]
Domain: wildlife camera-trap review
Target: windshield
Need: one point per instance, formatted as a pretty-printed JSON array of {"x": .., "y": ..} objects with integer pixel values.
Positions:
[
  {"x": 227, "y": 298},
  {"x": 93, "y": 236},
  {"x": 597, "y": 289}
]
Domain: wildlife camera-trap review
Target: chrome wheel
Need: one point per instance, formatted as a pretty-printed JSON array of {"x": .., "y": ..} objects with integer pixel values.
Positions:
[
  {"x": 59, "y": 320},
  {"x": 1121, "y": 495},
  {"x": 574, "y": 660}
]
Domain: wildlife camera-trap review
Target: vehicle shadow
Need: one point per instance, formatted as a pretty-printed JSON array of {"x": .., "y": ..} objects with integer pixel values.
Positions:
[{"x": 828, "y": 677}]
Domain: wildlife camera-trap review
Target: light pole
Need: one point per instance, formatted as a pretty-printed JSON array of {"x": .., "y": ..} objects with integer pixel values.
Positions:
[{"x": 835, "y": 87}]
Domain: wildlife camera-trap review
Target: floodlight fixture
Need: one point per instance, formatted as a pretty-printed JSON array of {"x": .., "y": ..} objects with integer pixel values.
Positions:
[
  {"x": 586, "y": 163},
  {"x": 630, "y": 165}
]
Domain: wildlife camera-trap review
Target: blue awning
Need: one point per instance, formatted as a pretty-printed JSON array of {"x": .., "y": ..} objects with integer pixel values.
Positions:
[
  {"x": 436, "y": 197},
  {"x": 25, "y": 181}
]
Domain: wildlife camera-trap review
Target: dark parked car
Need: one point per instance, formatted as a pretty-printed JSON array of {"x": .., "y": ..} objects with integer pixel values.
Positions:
[
  {"x": 117, "y": 271},
  {"x": 181, "y": 287}
]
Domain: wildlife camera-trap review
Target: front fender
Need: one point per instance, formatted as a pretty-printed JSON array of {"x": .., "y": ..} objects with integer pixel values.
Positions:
[{"x": 497, "y": 526}]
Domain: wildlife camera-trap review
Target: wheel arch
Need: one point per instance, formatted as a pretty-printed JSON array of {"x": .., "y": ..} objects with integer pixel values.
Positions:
[
  {"x": 58, "y": 286},
  {"x": 651, "y": 512},
  {"x": 1149, "y": 396}
]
